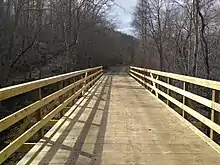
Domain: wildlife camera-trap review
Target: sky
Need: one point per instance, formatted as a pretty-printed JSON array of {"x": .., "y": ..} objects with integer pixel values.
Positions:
[{"x": 124, "y": 16}]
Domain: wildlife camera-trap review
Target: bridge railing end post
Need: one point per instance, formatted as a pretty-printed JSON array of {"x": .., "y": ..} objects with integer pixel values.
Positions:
[{"x": 214, "y": 114}]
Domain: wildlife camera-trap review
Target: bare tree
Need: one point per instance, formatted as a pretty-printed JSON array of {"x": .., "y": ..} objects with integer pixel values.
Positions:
[{"x": 181, "y": 32}]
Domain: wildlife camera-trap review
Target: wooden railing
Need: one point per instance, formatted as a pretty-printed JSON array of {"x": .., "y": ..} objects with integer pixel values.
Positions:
[
  {"x": 162, "y": 84},
  {"x": 33, "y": 118}
]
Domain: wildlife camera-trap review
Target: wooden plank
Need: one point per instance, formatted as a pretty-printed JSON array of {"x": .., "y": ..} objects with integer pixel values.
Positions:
[
  {"x": 212, "y": 113},
  {"x": 61, "y": 123},
  {"x": 51, "y": 123},
  {"x": 60, "y": 86},
  {"x": 215, "y": 98},
  {"x": 26, "y": 147},
  {"x": 73, "y": 90},
  {"x": 193, "y": 80},
  {"x": 23, "y": 127},
  {"x": 39, "y": 115},
  {"x": 168, "y": 90},
  {"x": 138, "y": 79},
  {"x": 184, "y": 98},
  {"x": 13, "y": 146},
  {"x": 154, "y": 84},
  {"x": 192, "y": 112},
  {"x": 17, "y": 116},
  {"x": 95, "y": 74},
  {"x": 26, "y": 87},
  {"x": 192, "y": 96},
  {"x": 200, "y": 134},
  {"x": 84, "y": 83},
  {"x": 173, "y": 141}
]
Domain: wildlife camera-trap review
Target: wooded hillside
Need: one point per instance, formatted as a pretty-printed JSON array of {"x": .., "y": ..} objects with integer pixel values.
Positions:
[
  {"x": 183, "y": 33},
  {"x": 40, "y": 38}
]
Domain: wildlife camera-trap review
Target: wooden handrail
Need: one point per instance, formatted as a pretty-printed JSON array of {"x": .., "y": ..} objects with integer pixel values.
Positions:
[
  {"x": 81, "y": 82},
  {"x": 15, "y": 90},
  {"x": 142, "y": 76},
  {"x": 192, "y": 80}
]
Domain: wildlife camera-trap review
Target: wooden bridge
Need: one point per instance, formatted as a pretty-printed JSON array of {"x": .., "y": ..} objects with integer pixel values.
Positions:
[{"x": 90, "y": 118}]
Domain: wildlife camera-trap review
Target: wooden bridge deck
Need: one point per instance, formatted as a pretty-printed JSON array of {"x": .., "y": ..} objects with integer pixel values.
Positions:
[{"x": 118, "y": 122}]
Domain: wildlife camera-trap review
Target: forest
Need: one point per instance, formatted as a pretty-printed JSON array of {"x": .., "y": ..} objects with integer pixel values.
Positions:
[
  {"x": 41, "y": 38},
  {"x": 180, "y": 36}
]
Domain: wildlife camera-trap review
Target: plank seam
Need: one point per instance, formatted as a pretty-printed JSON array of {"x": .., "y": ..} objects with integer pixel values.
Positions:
[{"x": 207, "y": 140}]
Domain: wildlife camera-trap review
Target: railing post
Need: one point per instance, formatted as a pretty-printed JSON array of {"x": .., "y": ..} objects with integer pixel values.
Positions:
[
  {"x": 168, "y": 90},
  {"x": 184, "y": 99},
  {"x": 74, "y": 90},
  {"x": 145, "y": 78},
  {"x": 148, "y": 81},
  {"x": 157, "y": 85},
  {"x": 84, "y": 83},
  {"x": 40, "y": 113},
  {"x": 91, "y": 78},
  {"x": 142, "y": 72},
  {"x": 95, "y": 76},
  {"x": 61, "y": 98},
  {"x": 215, "y": 98}
]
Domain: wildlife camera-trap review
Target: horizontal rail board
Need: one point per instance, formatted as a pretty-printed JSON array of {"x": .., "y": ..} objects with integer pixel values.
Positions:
[
  {"x": 154, "y": 81},
  {"x": 192, "y": 96},
  {"x": 189, "y": 110},
  {"x": 15, "y": 90},
  {"x": 193, "y": 80},
  {"x": 17, "y": 143},
  {"x": 17, "y": 116},
  {"x": 85, "y": 79}
]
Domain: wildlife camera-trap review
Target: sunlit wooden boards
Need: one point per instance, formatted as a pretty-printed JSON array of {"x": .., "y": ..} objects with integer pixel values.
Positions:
[
  {"x": 77, "y": 87},
  {"x": 121, "y": 123},
  {"x": 141, "y": 75},
  {"x": 23, "y": 88},
  {"x": 193, "y": 80}
]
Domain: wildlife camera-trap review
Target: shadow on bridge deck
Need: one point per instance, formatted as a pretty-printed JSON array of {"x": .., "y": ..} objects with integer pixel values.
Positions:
[
  {"x": 119, "y": 122},
  {"x": 78, "y": 137}
]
